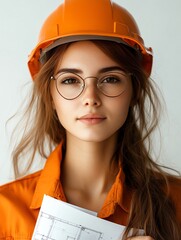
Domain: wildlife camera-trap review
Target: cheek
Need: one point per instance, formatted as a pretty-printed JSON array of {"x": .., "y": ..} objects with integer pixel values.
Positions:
[
  {"x": 56, "y": 100},
  {"x": 64, "y": 109},
  {"x": 121, "y": 111},
  {"x": 121, "y": 107}
]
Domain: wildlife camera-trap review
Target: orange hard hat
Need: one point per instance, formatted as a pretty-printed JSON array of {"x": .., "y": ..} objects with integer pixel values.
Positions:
[{"x": 77, "y": 20}]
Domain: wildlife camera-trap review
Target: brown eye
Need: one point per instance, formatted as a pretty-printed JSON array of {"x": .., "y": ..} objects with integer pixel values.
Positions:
[
  {"x": 110, "y": 79},
  {"x": 69, "y": 81}
]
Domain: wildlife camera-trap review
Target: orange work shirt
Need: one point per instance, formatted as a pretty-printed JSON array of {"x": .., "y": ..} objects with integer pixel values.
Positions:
[{"x": 20, "y": 200}]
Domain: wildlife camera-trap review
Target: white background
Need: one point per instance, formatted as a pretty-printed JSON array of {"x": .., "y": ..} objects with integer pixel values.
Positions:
[{"x": 160, "y": 25}]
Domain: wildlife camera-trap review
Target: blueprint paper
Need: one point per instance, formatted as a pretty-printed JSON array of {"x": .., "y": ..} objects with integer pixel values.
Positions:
[
  {"x": 83, "y": 209},
  {"x": 59, "y": 220}
]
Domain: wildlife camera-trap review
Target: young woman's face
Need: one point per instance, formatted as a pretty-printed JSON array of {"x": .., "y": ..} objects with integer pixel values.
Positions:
[{"x": 92, "y": 116}]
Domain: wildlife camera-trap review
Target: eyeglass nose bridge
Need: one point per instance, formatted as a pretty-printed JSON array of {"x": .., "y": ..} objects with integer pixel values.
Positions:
[
  {"x": 84, "y": 86},
  {"x": 93, "y": 77}
]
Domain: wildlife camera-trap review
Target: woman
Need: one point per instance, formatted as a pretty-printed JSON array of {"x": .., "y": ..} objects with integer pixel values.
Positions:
[{"x": 94, "y": 102}]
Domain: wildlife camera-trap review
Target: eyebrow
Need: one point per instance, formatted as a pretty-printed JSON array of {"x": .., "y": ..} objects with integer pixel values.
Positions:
[
  {"x": 112, "y": 68},
  {"x": 102, "y": 70}
]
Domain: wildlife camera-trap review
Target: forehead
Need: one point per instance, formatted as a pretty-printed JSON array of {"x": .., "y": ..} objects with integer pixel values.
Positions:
[{"x": 85, "y": 55}]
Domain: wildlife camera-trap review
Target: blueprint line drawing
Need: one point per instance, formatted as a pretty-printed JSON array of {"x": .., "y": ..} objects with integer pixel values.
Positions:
[
  {"x": 58, "y": 220},
  {"x": 65, "y": 229}
]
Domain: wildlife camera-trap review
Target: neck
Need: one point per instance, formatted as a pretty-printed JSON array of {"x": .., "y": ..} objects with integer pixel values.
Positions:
[{"x": 88, "y": 165}]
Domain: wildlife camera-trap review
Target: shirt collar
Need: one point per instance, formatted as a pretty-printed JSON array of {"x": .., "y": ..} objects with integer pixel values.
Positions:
[
  {"x": 49, "y": 183},
  {"x": 49, "y": 180},
  {"x": 119, "y": 194}
]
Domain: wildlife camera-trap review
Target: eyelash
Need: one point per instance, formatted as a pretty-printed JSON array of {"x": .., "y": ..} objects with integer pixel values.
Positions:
[
  {"x": 67, "y": 81},
  {"x": 111, "y": 79}
]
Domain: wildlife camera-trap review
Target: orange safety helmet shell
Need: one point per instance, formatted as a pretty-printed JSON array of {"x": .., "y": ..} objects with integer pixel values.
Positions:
[{"x": 76, "y": 20}]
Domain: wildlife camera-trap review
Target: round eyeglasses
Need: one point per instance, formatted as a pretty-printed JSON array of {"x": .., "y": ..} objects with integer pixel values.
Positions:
[{"x": 70, "y": 85}]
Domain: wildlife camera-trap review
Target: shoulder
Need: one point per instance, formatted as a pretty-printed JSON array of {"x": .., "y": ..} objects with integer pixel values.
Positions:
[
  {"x": 170, "y": 185},
  {"x": 15, "y": 199},
  {"x": 25, "y": 183},
  {"x": 174, "y": 189},
  {"x": 21, "y": 189},
  {"x": 174, "y": 193}
]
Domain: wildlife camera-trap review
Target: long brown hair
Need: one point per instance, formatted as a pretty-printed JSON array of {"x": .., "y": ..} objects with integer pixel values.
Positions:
[{"x": 151, "y": 208}]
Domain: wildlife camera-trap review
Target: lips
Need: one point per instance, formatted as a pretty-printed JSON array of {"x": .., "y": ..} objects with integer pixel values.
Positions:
[{"x": 91, "y": 118}]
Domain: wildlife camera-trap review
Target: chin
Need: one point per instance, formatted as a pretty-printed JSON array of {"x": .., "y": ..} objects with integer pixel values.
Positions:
[{"x": 96, "y": 139}]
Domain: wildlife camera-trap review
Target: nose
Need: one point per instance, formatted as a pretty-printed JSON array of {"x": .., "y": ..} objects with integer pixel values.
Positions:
[{"x": 91, "y": 94}]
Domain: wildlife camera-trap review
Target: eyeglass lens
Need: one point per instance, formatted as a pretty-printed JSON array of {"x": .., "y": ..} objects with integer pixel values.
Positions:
[{"x": 71, "y": 85}]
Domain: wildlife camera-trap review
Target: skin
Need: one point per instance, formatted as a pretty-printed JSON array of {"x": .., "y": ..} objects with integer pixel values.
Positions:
[{"x": 91, "y": 121}]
